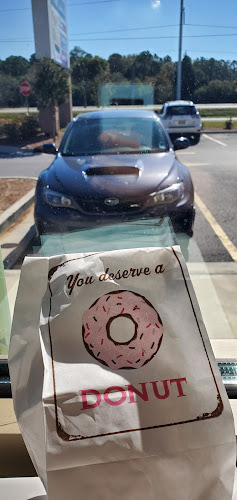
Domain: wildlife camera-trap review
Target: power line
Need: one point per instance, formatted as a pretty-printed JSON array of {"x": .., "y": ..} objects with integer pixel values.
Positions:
[
  {"x": 14, "y": 10},
  {"x": 149, "y": 37},
  {"x": 17, "y": 41},
  {"x": 117, "y": 30},
  {"x": 210, "y": 51},
  {"x": 211, "y": 26},
  {"x": 124, "y": 29},
  {"x": 128, "y": 38}
]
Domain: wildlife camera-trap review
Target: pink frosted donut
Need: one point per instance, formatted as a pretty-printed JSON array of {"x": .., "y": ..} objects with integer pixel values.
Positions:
[{"x": 148, "y": 330}]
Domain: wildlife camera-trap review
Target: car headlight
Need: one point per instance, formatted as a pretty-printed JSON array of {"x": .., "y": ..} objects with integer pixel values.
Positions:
[
  {"x": 58, "y": 199},
  {"x": 169, "y": 194}
]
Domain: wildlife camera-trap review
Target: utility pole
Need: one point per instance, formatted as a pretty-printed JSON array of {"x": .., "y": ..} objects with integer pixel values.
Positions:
[{"x": 179, "y": 68}]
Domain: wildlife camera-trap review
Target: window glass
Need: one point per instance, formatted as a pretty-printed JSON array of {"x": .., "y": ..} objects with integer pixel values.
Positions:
[
  {"x": 118, "y": 178},
  {"x": 114, "y": 135},
  {"x": 181, "y": 110}
]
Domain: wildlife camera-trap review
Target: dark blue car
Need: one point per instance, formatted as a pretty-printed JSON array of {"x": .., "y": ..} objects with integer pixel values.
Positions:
[{"x": 114, "y": 166}]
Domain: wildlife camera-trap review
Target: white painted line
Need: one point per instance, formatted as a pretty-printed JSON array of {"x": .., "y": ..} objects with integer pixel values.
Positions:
[
  {"x": 186, "y": 153},
  {"x": 191, "y": 164},
  {"x": 230, "y": 247},
  {"x": 214, "y": 140}
]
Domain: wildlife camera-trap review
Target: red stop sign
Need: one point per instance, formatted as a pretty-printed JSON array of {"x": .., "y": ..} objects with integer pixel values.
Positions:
[{"x": 25, "y": 89}]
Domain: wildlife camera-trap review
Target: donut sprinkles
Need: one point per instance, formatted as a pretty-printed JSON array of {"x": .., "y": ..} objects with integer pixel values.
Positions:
[{"x": 148, "y": 330}]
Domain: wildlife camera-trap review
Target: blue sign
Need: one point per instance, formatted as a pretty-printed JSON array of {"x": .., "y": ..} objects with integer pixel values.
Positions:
[{"x": 59, "y": 32}]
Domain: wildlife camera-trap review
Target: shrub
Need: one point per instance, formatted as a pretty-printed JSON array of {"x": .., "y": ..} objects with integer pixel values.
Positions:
[
  {"x": 29, "y": 127},
  {"x": 229, "y": 124},
  {"x": 11, "y": 131}
]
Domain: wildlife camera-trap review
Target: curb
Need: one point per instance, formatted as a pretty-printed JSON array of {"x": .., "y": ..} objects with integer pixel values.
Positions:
[
  {"x": 10, "y": 261},
  {"x": 14, "y": 211},
  {"x": 219, "y": 131}
]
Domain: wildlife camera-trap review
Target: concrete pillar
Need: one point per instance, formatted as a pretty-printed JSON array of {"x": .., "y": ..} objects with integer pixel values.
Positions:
[
  {"x": 49, "y": 121},
  {"x": 65, "y": 113},
  {"x": 65, "y": 110}
]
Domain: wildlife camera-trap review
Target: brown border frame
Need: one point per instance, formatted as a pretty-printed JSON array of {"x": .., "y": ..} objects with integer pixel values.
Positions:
[{"x": 67, "y": 437}]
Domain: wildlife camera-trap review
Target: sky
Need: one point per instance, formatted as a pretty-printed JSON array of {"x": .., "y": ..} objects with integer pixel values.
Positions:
[{"x": 102, "y": 27}]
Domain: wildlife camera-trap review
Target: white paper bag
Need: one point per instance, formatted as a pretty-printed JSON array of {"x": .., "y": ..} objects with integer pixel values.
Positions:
[{"x": 115, "y": 387}]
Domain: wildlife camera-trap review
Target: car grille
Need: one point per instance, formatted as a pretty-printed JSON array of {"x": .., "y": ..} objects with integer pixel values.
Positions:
[{"x": 98, "y": 207}]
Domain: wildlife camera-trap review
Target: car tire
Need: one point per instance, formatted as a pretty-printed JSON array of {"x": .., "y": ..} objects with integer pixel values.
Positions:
[
  {"x": 194, "y": 139},
  {"x": 36, "y": 241},
  {"x": 185, "y": 225},
  {"x": 188, "y": 222}
]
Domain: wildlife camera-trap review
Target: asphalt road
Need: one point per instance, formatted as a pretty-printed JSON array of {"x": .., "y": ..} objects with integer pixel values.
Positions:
[
  {"x": 213, "y": 168},
  {"x": 17, "y": 163}
]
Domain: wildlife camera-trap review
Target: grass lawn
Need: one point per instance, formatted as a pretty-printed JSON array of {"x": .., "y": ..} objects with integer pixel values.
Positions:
[
  {"x": 218, "y": 113},
  {"x": 14, "y": 117},
  {"x": 218, "y": 125}
]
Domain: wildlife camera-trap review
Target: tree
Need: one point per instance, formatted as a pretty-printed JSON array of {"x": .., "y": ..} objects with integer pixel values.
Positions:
[
  {"x": 188, "y": 79},
  {"x": 165, "y": 83},
  {"x": 200, "y": 79},
  {"x": 15, "y": 66},
  {"x": 128, "y": 62},
  {"x": 89, "y": 68},
  {"x": 118, "y": 78},
  {"x": 33, "y": 59},
  {"x": 9, "y": 91},
  {"x": 213, "y": 69},
  {"x": 167, "y": 59},
  {"x": 143, "y": 64},
  {"x": 76, "y": 54},
  {"x": 51, "y": 84},
  {"x": 116, "y": 63},
  {"x": 87, "y": 74},
  {"x": 217, "y": 91},
  {"x": 51, "y": 87}
]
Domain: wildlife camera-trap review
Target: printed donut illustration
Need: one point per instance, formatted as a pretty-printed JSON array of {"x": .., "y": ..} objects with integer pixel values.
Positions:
[{"x": 147, "y": 325}]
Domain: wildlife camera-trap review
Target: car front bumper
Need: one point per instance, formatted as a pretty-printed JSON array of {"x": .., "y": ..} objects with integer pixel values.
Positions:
[{"x": 60, "y": 220}]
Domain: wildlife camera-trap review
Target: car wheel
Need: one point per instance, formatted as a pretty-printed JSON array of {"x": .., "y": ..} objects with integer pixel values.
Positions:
[
  {"x": 188, "y": 222},
  {"x": 39, "y": 229},
  {"x": 185, "y": 225},
  {"x": 194, "y": 139}
]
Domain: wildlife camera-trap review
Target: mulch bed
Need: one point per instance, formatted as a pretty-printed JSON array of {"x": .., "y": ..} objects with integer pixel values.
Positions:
[{"x": 12, "y": 190}]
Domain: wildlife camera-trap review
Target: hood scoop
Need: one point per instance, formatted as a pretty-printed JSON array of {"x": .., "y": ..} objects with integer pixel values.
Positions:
[{"x": 116, "y": 170}]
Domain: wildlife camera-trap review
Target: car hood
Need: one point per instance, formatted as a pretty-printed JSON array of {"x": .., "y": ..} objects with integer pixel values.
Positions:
[{"x": 104, "y": 175}]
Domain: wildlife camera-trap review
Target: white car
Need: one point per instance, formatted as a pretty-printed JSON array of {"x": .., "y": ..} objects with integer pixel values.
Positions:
[{"x": 181, "y": 118}]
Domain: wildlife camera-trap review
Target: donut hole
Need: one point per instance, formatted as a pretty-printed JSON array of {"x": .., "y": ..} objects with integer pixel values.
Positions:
[{"x": 122, "y": 329}]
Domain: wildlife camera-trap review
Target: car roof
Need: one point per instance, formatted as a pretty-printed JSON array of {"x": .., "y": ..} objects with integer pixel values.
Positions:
[
  {"x": 111, "y": 113},
  {"x": 179, "y": 103}
]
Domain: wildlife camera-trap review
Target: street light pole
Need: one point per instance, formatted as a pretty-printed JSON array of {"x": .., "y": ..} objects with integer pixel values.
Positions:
[{"x": 179, "y": 68}]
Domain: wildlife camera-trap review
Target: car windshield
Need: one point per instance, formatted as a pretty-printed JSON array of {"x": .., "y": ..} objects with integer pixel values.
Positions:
[
  {"x": 114, "y": 135},
  {"x": 181, "y": 110}
]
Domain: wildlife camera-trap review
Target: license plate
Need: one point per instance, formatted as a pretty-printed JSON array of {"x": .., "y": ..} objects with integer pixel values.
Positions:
[{"x": 181, "y": 122}]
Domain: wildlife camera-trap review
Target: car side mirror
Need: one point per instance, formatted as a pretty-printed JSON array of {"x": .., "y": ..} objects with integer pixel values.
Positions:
[
  {"x": 49, "y": 148},
  {"x": 181, "y": 143}
]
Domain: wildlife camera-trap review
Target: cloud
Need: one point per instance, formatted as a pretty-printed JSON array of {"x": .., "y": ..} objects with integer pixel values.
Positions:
[{"x": 155, "y": 4}]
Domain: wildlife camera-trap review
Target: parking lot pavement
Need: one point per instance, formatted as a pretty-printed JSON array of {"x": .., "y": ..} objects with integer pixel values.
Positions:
[
  {"x": 16, "y": 162},
  {"x": 213, "y": 169}
]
